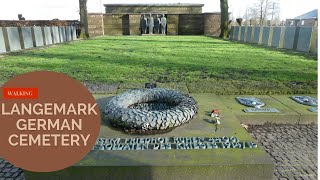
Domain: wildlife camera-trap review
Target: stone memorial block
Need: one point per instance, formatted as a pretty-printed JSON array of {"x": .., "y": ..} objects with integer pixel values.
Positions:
[
  {"x": 256, "y": 103},
  {"x": 2, "y": 44},
  {"x": 27, "y": 37},
  {"x": 249, "y": 32},
  {"x": 276, "y": 36},
  {"x": 243, "y": 31},
  {"x": 256, "y": 35},
  {"x": 38, "y": 36},
  {"x": 265, "y": 35},
  {"x": 62, "y": 34},
  {"x": 231, "y": 33},
  {"x": 56, "y": 36},
  {"x": 289, "y": 37},
  {"x": 316, "y": 47},
  {"x": 191, "y": 151},
  {"x": 74, "y": 32},
  {"x": 14, "y": 38},
  {"x": 304, "y": 39},
  {"x": 68, "y": 33},
  {"x": 236, "y": 33},
  {"x": 47, "y": 35}
]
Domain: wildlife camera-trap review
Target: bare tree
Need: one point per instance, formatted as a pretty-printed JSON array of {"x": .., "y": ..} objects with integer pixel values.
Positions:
[
  {"x": 83, "y": 19},
  {"x": 263, "y": 10},
  {"x": 224, "y": 19}
]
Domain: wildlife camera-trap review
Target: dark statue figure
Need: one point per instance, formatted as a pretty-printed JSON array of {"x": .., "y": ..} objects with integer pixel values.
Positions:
[
  {"x": 239, "y": 21},
  {"x": 150, "y": 24},
  {"x": 21, "y": 18},
  {"x": 163, "y": 23},
  {"x": 143, "y": 24},
  {"x": 157, "y": 25}
]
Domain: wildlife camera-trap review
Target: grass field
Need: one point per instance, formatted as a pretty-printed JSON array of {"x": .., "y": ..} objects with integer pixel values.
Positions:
[{"x": 189, "y": 59}]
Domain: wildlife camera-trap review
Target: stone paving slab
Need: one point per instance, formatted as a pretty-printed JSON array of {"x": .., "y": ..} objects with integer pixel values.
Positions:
[
  {"x": 8, "y": 171},
  {"x": 284, "y": 116},
  {"x": 306, "y": 116},
  {"x": 293, "y": 149}
]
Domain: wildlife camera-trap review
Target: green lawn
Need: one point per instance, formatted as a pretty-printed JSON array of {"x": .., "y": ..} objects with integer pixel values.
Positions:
[{"x": 190, "y": 59}]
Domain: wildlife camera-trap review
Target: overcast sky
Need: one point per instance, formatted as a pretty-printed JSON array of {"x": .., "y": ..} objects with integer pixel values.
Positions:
[{"x": 69, "y": 9}]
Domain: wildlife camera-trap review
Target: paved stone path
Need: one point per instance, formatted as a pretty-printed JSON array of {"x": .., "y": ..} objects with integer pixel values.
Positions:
[
  {"x": 8, "y": 171},
  {"x": 293, "y": 149}
]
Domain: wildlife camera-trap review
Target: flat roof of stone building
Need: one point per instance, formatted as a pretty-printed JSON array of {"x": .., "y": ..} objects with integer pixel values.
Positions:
[{"x": 160, "y": 4}]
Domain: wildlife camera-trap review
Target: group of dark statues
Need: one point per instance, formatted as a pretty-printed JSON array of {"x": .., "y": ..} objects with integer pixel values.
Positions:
[{"x": 152, "y": 25}]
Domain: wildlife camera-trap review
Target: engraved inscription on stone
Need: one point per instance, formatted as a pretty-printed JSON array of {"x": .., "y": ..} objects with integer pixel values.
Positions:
[
  {"x": 261, "y": 110},
  {"x": 314, "y": 109},
  {"x": 306, "y": 100},
  {"x": 168, "y": 143},
  {"x": 250, "y": 101}
]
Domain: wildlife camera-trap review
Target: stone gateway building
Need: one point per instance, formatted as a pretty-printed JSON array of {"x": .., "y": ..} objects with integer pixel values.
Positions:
[{"x": 181, "y": 19}]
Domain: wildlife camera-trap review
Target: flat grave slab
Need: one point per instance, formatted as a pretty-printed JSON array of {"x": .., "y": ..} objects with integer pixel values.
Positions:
[
  {"x": 306, "y": 116},
  {"x": 227, "y": 163},
  {"x": 285, "y": 114}
]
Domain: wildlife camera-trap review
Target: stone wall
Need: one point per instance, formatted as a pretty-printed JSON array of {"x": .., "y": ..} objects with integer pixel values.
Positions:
[
  {"x": 211, "y": 24},
  {"x": 190, "y": 24},
  {"x": 18, "y": 38},
  {"x": 299, "y": 38},
  {"x": 17, "y": 23},
  {"x": 125, "y": 9},
  {"x": 134, "y": 24},
  {"x": 114, "y": 24},
  {"x": 95, "y": 24},
  {"x": 178, "y": 24}
]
